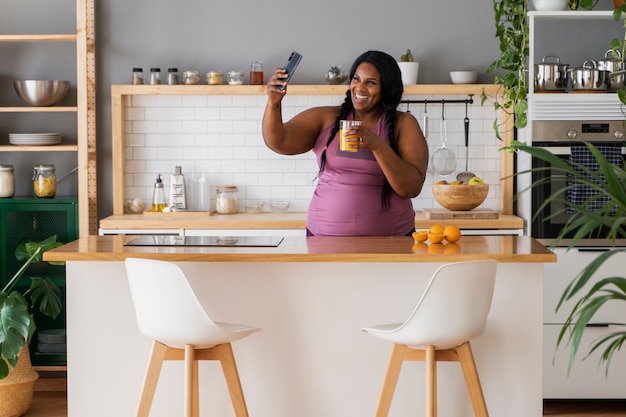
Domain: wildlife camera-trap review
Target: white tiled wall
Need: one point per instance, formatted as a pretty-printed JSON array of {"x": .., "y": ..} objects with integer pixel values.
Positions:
[{"x": 221, "y": 136}]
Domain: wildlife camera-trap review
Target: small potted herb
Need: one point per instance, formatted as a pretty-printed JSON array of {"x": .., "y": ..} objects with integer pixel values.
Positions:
[{"x": 408, "y": 67}]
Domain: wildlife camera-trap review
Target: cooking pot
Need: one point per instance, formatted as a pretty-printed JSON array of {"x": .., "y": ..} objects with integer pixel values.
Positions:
[
  {"x": 551, "y": 76},
  {"x": 613, "y": 66},
  {"x": 589, "y": 78}
]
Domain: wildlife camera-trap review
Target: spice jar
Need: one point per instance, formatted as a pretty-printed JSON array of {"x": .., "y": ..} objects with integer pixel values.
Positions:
[
  {"x": 256, "y": 73},
  {"x": 155, "y": 76},
  {"x": 235, "y": 77},
  {"x": 214, "y": 78},
  {"x": 226, "y": 199},
  {"x": 172, "y": 76},
  {"x": 44, "y": 181},
  {"x": 7, "y": 181},
  {"x": 137, "y": 78},
  {"x": 191, "y": 77}
]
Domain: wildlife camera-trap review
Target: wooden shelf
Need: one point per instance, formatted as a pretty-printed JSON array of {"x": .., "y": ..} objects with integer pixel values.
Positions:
[
  {"x": 39, "y": 38},
  {"x": 52, "y": 148},
  {"x": 51, "y": 109}
]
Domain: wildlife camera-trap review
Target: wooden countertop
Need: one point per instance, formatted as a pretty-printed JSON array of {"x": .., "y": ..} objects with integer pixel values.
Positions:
[
  {"x": 185, "y": 220},
  {"x": 314, "y": 249}
]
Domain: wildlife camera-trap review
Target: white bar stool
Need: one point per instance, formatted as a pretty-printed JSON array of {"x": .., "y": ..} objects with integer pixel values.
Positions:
[
  {"x": 452, "y": 311},
  {"x": 169, "y": 313}
]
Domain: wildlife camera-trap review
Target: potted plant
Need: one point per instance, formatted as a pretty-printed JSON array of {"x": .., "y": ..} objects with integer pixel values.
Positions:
[
  {"x": 17, "y": 325},
  {"x": 408, "y": 68},
  {"x": 511, "y": 19},
  {"x": 610, "y": 183}
]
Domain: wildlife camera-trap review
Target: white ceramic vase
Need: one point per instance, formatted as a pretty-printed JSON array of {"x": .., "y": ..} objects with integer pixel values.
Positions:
[{"x": 409, "y": 72}]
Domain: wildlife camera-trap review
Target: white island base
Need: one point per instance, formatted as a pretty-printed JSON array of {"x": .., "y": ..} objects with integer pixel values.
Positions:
[{"x": 311, "y": 359}]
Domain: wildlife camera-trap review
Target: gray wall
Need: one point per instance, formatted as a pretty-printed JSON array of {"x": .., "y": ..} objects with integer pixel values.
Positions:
[{"x": 220, "y": 35}]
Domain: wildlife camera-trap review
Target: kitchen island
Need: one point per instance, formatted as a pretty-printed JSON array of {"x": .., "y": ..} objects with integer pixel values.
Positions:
[{"x": 311, "y": 296}]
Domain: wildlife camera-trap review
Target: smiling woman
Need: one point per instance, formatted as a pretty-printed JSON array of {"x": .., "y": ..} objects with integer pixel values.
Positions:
[{"x": 367, "y": 190}]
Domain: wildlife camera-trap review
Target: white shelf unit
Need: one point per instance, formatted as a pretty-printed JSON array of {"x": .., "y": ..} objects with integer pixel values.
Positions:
[{"x": 85, "y": 109}]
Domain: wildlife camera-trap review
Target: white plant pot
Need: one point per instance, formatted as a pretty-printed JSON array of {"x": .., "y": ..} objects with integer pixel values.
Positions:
[{"x": 409, "y": 72}]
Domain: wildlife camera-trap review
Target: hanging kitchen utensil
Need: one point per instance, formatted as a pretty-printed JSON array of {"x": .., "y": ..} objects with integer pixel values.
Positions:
[
  {"x": 444, "y": 159},
  {"x": 425, "y": 121},
  {"x": 465, "y": 176}
]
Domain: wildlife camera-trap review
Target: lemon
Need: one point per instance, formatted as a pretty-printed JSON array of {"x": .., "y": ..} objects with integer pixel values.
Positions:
[{"x": 476, "y": 181}]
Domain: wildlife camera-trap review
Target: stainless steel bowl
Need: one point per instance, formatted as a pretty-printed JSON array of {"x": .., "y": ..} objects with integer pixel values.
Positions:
[{"x": 41, "y": 93}]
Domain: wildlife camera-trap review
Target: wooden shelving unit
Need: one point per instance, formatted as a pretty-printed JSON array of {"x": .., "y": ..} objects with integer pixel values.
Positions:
[{"x": 85, "y": 109}]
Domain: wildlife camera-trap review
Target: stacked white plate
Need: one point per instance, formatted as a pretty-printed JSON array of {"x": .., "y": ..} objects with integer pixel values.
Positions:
[{"x": 34, "y": 139}]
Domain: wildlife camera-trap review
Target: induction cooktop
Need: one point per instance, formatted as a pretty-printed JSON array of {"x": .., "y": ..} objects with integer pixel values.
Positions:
[{"x": 237, "y": 241}]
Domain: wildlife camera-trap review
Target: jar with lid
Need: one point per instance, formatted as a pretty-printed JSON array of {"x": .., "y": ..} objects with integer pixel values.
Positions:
[
  {"x": 155, "y": 76},
  {"x": 214, "y": 78},
  {"x": 7, "y": 181},
  {"x": 256, "y": 73},
  {"x": 137, "y": 78},
  {"x": 235, "y": 77},
  {"x": 226, "y": 199},
  {"x": 191, "y": 77},
  {"x": 44, "y": 181},
  {"x": 172, "y": 76}
]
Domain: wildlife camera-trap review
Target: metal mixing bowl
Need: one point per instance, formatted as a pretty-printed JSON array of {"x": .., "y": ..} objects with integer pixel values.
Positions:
[{"x": 41, "y": 93}]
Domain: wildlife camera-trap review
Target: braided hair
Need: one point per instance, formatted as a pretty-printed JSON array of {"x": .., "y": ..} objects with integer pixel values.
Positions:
[{"x": 391, "y": 89}]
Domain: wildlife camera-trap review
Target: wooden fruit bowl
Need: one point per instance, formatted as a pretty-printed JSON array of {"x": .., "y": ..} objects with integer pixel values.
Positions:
[{"x": 462, "y": 197}]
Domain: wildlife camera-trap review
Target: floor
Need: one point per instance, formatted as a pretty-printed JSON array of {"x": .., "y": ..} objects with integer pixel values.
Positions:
[{"x": 54, "y": 404}]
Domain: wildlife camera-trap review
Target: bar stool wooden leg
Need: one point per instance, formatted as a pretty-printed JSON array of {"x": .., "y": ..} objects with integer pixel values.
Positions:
[
  {"x": 157, "y": 356},
  {"x": 396, "y": 359},
  {"x": 227, "y": 359},
  {"x": 431, "y": 387},
  {"x": 468, "y": 365},
  {"x": 189, "y": 361}
]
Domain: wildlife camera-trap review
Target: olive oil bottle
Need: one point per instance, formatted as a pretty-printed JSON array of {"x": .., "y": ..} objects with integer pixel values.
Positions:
[{"x": 158, "y": 199}]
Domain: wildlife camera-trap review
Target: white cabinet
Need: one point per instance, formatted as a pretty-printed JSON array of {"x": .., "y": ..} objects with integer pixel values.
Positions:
[
  {"x": 587, "y": 378},
  {"x": 84, "y": 147}
]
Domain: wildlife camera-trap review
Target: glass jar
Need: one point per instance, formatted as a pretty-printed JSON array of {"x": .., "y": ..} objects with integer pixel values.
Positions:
[
  {"x": 235, "y": 77},
  {"x": 256, "y": 73},
  {"x": 7, "y": 181},
  {"x": 226, "y": 199},
  {"x": 214, "y": 78},
  {"x": 172, "y": 76},
  {"x": 191, "y": 77},
  {"x": 137, "y": 76},
  {"x": 155, "y": 76},
  {"x": 44, "y": 181}
]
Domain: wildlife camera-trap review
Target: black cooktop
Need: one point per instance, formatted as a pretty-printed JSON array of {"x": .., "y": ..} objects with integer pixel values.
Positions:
[{"x": 237, "y": 241}]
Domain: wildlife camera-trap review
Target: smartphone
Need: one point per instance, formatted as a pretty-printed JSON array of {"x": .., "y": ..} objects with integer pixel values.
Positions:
[{"x": 290, "y": 66}]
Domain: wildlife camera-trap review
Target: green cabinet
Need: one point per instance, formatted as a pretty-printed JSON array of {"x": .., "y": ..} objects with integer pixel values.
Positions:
[{"x": 31, "y": 219}]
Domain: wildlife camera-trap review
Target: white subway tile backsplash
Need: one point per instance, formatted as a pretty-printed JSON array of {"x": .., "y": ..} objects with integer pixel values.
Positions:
[{"x": 221, "y": 136}]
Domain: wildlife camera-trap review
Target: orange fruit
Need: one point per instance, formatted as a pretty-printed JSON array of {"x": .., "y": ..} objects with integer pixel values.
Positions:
[
  {"x": 452, "y": 233},
  {"x": 436, "y": 229},
  {"x": 435, "y": 237},
  {"x": 420, "y": 235}
]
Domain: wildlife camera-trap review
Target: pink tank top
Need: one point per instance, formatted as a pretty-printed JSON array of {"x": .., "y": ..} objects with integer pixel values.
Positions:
[{"x": 347, "y": 198}]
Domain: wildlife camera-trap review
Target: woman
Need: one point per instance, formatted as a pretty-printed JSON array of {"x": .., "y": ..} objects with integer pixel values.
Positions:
[{"x": 364, "y": 193}]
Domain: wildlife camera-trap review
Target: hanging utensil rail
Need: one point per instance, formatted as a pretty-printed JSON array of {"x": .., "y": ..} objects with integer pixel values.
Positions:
[{"x": 469, "y": 100}]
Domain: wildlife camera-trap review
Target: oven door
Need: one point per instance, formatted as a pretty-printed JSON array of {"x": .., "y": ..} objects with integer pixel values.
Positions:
[{"x": 548, "y": 221}]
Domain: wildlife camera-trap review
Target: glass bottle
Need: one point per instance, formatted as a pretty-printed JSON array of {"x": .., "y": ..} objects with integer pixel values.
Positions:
[
  {"x": 226, "y": 199},
  {"x": 214, "y": 78},
  {"x": 191, "y": 77},
  {"x": 155, "y": 76},
  {"x": 44, "y": 181},
  {"x": 235, "y": 77},
  {"x": 158, "y": 198},
  {"x": 137, "y": 76},
  {"x": 7, "y": 181},
  {"x": 256, "y": 73},
  {"x": 172, "y": 76}
]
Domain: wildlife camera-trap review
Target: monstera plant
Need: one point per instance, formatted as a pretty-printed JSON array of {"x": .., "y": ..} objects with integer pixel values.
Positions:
[{"x": 17, "y": 324}]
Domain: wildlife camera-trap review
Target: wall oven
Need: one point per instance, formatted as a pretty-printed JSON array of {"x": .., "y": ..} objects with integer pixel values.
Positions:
[{"x": 562, "y": 138}]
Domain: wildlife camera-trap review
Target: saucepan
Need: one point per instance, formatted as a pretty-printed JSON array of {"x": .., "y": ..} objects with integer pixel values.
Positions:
[
  {"x": 615, "y": 66},
  {"x": 589, "y": 78},
  {"x": 551, "y": 76}
]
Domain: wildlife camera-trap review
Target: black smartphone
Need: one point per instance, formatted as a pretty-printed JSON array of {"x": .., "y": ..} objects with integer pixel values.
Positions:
[{"x": 290, "y": 66}]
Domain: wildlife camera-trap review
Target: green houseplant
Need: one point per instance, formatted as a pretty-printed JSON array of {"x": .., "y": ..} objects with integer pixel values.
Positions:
[{"x": 16, "y": 320}]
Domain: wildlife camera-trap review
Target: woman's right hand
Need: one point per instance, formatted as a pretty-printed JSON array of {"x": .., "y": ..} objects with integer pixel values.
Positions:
[{"x": 276, "y": 81}]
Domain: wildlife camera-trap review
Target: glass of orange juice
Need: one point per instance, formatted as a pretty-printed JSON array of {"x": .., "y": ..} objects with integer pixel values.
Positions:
[{"x": 351, "y": 144}]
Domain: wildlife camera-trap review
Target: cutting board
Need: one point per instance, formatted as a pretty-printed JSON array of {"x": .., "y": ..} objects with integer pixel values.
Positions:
[{"x": 445, "y": 214}]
